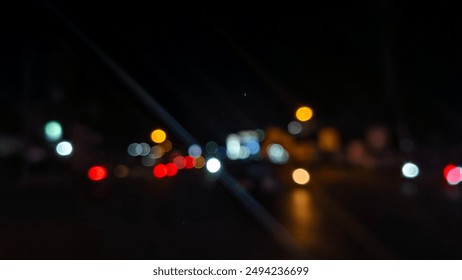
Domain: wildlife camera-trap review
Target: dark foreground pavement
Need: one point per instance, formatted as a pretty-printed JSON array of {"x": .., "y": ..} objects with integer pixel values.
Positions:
[
  {"x": 130, "y": 219},
  {"x": 341, "y": 214}
]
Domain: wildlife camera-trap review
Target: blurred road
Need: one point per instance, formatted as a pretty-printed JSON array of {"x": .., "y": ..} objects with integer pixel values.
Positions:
[
  {"x": 130, "y": 219},
  {"x": 376, "y": 214},
  {"x": 341, "y": 214},
  {"x": 418, "y": 219}
]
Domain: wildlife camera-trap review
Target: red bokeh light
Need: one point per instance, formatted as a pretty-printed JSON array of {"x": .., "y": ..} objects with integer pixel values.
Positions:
[
  {"x": 189, "y": 162},
  {"x": 160, "y": 171},
  {"x": 172, "y": 169},
  {"x": 180, "y": 162},
  {"x": 447, "y": 169},
  {"x": 97, "y": 173}
]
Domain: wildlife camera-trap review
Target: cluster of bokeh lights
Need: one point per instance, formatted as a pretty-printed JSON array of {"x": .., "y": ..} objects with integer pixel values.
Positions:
[
  {"x": 176, "y": 161},
  {"x": 163, "y": 170},
  {"x": 239, "y": 146}
]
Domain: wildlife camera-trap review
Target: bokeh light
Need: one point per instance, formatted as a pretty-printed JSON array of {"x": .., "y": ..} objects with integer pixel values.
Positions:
[
  {"x": 301, "y": 176},
  {"x": 244, "y": 152},
  {"x": 454, "y": 176},
  {"x": 213, "y": 165},
  {"x": 179, "y": 161},
  {"x": 304, "y": 114},
  {"x": 97, "y": 173},
  {"x": 447, "y": 169},
  {"x": 167, "y": 145},
  {"x": 211, "y": 147},
  {"x": 157, "y": 151},
  {"x": 240, "y": 146},
  {"x": 53, "y": 131},
  {"x": 121, "y": 171},
  {"x": 377, "y": 137},
  {"x": 356, "y": 154},
  {"x": 64, "y": 148},
  {"x": 329, "y": 139},
  {"x": 200, "y": 162},
  {"x": 145, "y": 149},
  {"x": 158, "y": 136},
  {"x": 172, "y": 169},
  {"x": 253, "y": 146},
  {"x": 148, "y": 161},
  {"x": 233, "y": 146},
  {"x": 260, "y": 134},
  {"x": 160, "y": 171},
  {"x": 134, "y": 149},
  {"x": 410, "y": 170},
  {"x": 275, "y": 150},
  {"x": 195, "y": 151},
  {"x": 189, "y": 162},
  {"x": 277, "y": 154},
  {"x": 294, "y": 127}
]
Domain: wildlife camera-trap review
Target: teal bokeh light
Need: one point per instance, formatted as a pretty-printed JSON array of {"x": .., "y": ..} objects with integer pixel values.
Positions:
[{"x": 53, "y": 131}]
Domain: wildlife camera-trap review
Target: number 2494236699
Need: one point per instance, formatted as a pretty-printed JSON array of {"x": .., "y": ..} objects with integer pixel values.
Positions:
[{"x": 277, "y": 270}]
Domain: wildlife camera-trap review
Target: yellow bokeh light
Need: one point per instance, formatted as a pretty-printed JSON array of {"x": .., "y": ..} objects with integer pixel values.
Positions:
[
  {"x": 158, "y": 136},
  {"x": 301, "y": 176},
  {"x": 304, "y": 114}
]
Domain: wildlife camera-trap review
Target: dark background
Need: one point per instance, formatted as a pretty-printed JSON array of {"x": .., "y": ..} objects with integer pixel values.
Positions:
[
  {"x": 218, "y": 70},
  {"x": 356, "y": 64}
]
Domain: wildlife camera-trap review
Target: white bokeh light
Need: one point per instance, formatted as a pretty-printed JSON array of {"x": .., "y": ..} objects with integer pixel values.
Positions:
[
  {"x": 134, "y": 149},
  {"x": 410, "y": 170},
  {"x": 213, "y": 165},
  {"x": 233, "y": 146},
  {"x": 64, "y": 148},
  {"x": 145, "y": 149},
  {"x": 277, "y": 154}
]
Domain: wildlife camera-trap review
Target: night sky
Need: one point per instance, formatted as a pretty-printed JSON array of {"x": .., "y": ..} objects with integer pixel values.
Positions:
[{"x": 222, "y": 69}]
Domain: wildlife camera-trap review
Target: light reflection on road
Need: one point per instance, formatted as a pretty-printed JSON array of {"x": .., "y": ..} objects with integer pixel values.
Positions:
[
  {"x": 302, "y": 216},
  {"x": 313, "y": 223}
]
